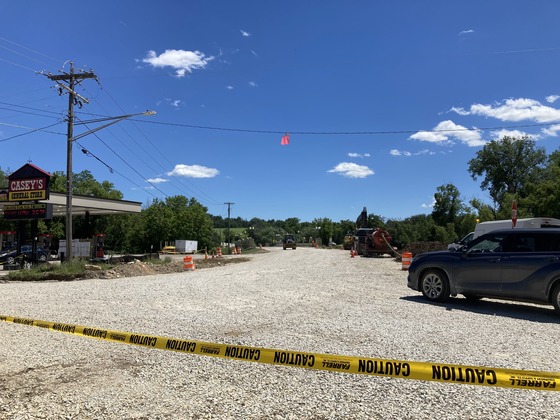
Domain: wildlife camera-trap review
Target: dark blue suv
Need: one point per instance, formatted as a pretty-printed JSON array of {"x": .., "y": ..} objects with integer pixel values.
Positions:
[
  {"x": 9, "y": 256},
  {"x": 512, "y": 264}
]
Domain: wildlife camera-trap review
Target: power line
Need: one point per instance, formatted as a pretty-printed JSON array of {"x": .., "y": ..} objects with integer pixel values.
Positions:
[
  {"x": 125, "y": 162},
  {"x": 18, "y": 65},
  {"x": 29, "y": 49},
  {"x": 23, "y": 55},
  {"x": 333, "y": 133},
  {"x": 89, "y": 153},
  {"x": 343, "y": 133},
  {"x": 26, "y": 112},
  {"x": 210, "y": 199},
  {"x": 33, "y": 130}
]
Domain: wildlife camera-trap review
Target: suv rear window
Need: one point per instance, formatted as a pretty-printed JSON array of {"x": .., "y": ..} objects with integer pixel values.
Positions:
[{"x": 533, "y": 242}]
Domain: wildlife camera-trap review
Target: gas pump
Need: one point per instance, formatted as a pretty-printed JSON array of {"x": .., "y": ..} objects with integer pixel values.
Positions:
[
  {"x": 98, "y": 245},
  {"x": 7, "y": 238},
  {"x": 44, "y": 241}
]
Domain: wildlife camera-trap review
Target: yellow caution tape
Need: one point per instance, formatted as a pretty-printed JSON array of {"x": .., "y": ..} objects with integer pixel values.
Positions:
[{"x": 457, "y": 374}]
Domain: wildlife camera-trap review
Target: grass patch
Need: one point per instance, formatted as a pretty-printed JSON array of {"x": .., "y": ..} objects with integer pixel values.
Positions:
[
  {"x": 159, "y": 261},
  {"x": 68, "y": 270}
]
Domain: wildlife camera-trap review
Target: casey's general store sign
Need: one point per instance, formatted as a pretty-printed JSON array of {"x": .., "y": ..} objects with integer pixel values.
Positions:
[
  {"x": 27, "y": 189},
  {"x": 29, "y": 183}
]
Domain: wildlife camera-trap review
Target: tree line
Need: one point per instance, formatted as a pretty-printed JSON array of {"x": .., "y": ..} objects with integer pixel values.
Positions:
[{"x": 511, "y": 168}]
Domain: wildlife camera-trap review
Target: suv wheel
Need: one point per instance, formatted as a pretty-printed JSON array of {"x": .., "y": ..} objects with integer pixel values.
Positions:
[
  {"x": 42, "y": 257},
  {"x": 10, "y": 260},
  {"x": 435, "y": 285},
  {"x": 556, "y": 297}
]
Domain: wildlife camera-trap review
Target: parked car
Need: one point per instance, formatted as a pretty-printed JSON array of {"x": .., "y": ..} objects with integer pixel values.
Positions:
[
  {"x": 512, "y": 264},
  {"x": 485, "y": 227},
  {"x": 458, "y": 244},
  {"x": 9, "y": 256}
]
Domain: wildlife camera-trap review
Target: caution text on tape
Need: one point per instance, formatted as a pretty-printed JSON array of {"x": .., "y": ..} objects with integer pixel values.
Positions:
[{"x": 426, "y": 371}]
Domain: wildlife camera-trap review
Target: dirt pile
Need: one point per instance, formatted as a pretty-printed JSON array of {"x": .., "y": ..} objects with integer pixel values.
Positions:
[
  {"x": 421, "y": 247},
  {"x": 140, "y": 268}
]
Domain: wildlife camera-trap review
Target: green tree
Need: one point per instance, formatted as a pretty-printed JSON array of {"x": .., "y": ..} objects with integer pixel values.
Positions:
[
  {"x": 485, "y": 212},
  {"x": 4, "y": 224},
  {"x": 448, "y": 205},
  {"x": 342, "y": 228},
  {"x": 4, "y": 178},
  {"x": 292, "y": 225},
  {"x": 507, "y": 166},
  {"x": 175, "y": 218},
  {"x": 324, "y": 229},
  {"x": 158, "y": 224},
  {"x": 415, "y": 228},
  {"x": 375, "y": 221},
  {"x": 84, "y": 183},
  {"x": 542, "y": 197}
]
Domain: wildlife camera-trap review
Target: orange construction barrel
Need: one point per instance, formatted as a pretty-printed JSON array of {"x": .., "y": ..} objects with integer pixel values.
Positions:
[
  {"x": 188, "y": 264},
  {"x": 406, "y": 260}
]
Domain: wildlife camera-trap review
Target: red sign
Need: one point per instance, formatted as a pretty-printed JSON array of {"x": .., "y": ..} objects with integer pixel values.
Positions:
[
  {"x": 32, "y": 184},
  {"x": 28, "y": 211}
]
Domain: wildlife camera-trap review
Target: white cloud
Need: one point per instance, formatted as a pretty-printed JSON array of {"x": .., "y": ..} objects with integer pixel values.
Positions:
[
  {"x": 245, "y": 33},
  {"x": 351, "y": 170},
  {"x": 552, "y": 98},
  {"x": 229, "y": 87},
  {"x": 514, "y": 110},
  {"x": 395, "y": 152},
  {"x": 552, "y": 130},
  {"x": 447, "y": 130},
  {"x": 498, "y": 134},
  {"x": 460, "y": 111},
  {"x": 181, "y": 60},
  {"x": 425, "y": 152},
  {"x": 431, "y": 137},
  {"x": 358, "y": 155},
  {"x": 429, "y": 206},
  {"x": 468, "y": 31},
  {"x": 175, "y": 103},
  {"x": 193, "y": 171},
  {"x": 252, "y": 84},
  {"x": 157, "y": 180}
]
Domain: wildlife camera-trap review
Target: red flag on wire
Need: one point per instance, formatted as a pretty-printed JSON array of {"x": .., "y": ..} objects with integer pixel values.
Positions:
[{"x": 285, "y": 139}]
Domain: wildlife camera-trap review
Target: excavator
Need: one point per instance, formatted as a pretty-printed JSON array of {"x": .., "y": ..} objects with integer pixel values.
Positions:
[{"x": 370, "y": 242}]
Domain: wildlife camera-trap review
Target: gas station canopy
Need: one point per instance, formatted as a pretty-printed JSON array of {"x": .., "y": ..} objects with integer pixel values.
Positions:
[
  {"x": 82, "y": 204},
  {"x": 31, "y": 184}
]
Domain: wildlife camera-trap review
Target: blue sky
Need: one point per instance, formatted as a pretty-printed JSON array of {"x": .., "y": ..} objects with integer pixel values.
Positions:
[{"x": 383, "y": 101}]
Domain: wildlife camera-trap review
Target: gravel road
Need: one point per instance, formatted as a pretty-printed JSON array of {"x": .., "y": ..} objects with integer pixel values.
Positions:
[{"x": 309, "y": 300}]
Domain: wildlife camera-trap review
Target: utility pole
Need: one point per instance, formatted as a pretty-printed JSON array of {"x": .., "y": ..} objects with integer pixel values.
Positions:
[
  {"x": 228, "y": 223},
  {"x": 74, "y": 98},
  {"x": 71, "y": 80}
]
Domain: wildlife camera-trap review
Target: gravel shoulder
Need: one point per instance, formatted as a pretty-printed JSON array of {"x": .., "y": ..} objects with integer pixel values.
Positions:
[{"x": 309, "y": 300}]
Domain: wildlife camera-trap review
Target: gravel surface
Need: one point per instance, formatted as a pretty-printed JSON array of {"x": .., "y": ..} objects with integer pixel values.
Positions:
[{"x": 309, "y": 300}]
